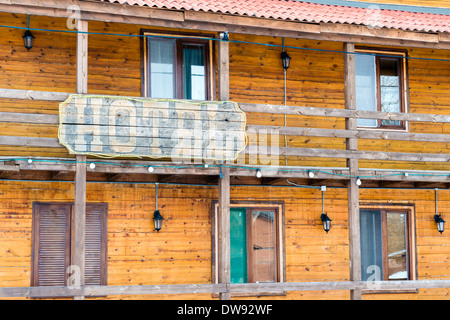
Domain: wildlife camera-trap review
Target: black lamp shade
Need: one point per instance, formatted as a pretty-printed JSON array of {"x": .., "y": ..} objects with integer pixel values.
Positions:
[
  {"x": 157, "y": 220},
  {"x": 286, "y": 60},
  {"x": 28, "y": 40},
  {"x": 326, "y": 222},
  {"x": 440, "y": 223}
]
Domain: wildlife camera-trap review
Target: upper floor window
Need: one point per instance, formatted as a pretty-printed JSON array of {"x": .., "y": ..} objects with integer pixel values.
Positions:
[
  {"x": 177, "y": 68},
  {"x": 381, "y": 86}
]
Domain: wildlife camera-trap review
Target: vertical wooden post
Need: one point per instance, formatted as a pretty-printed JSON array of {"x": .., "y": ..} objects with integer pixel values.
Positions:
[
  {"x": 224, "y": 231},
  {"x": 224, "y": 182},
  {"x": 224, "y": 71},
  {"x": 80, "y": 175},
  {"x": 352, "y": 187},
  {"x": 82, "y": 56},
  {"x": 79, "y": 219}
]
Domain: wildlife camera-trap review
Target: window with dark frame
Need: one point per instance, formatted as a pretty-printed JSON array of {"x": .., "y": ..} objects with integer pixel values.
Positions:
[
  {"x": 387, "y": 244},
  {"x": 52, "y": 244},
  {"x": 253, "y": 245},
  {"x": 177, "y": 68},
  {"x": 380, "y": 86},
  {"x": 256, "y": 243}
]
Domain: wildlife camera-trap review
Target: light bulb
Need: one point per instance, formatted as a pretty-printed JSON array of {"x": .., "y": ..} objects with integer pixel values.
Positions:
[
  {"x": 30, "y": 160},
  {"x": 311, "y": 174},
  {"x": 358, "y": 181},
  {"x": 92, "y": 165},
  {"x": 151, "y": 169},
  {"x": 206, "y": 165},
  {"x": 258, "y": 173}
]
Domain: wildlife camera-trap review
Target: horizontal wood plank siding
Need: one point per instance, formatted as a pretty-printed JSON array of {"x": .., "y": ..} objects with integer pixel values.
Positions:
[
  {"x": 181, "y": 252},
  {"x": 314, "y": 79}
]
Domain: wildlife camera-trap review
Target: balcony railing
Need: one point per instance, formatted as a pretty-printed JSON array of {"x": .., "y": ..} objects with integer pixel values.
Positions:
[{"x": 244, "y": 169}]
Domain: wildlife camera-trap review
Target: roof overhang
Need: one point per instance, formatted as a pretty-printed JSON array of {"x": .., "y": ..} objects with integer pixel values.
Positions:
[{"x": 219, "y": 22}]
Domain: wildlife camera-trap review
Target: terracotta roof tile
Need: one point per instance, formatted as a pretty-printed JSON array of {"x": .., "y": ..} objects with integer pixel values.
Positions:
[{"x": 308, "y": 12}]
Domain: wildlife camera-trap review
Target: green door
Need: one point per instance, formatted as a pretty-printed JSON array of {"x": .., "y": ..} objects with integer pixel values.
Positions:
[{"x": 238, "y": 243}]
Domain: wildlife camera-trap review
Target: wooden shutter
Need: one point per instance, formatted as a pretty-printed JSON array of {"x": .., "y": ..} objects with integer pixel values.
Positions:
[
  {"x": 51, "y": 254},
  {"x": 95, "y": 242},
  {"x": 51, "y": 244}
]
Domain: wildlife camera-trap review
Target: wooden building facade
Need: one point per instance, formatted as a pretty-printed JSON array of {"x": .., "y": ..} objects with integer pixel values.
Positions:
[{"x": 357, "y": 128}]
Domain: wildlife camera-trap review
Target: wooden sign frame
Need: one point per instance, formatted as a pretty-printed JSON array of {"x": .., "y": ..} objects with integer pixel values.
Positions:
[{"x": 115, "y": 126}]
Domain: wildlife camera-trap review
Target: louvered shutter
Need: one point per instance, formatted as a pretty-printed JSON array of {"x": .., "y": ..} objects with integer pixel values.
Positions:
[
  {"x": 95, "y": 245},
  {"x": 51, "y": 244}
]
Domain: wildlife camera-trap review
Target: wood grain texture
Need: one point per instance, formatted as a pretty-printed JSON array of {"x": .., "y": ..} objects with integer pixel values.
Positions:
[
  {"x": 144, "y": 127},
  {"x": 181, "y": 252},
  {"x": 315, "y": 79}
]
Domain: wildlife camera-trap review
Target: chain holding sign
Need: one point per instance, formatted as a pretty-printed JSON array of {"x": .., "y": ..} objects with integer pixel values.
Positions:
[{"x": 112, "y": 126}]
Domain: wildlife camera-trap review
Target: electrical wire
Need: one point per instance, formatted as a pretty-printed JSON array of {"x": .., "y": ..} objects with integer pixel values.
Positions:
[
  {"x": 285, "y": 104},
  {"x": 217, "y": 39},
  {"x": 232, "y": 41},
  {"x": 292, "y": 185},
  {"x": 231, "y": 166}
]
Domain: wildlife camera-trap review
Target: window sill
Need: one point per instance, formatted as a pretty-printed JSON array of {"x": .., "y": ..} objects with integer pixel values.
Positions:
[
  {"x": 399, "y": 129},
  {"x": 253, "y": 294},
  {"x": 393, "y": 291}
]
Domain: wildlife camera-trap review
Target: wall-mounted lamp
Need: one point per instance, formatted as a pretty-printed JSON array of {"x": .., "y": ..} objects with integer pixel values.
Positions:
[
  {"x": 326, "y": 221},
  {"x": 440, "y": 223},
  {"x": 157, "y": 218},
  {"x": 285, "y": 59},
  {"x": 28, "y": 38}
]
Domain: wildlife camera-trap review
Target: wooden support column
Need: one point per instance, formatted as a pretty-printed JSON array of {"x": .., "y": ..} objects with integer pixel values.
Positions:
[
  {"x": 224, "y": 70},
  {"x": 352, "y": 187},
  {"x": 82, "y": 56},
  {"x": 224, "y": 182},
  {"x": 224, "y": 232},
  {"x": 79, "y": 220}
]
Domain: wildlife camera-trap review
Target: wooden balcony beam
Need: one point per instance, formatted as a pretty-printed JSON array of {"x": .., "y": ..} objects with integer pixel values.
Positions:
[
  {"x": 346, "y": 134},
  {"x": 87, "y": 291},
  {"x": 352, "y": 154},
  {"x": 282, "y": 172},
  {"x": 343, "y": 113},
  {"x": 246, "y": 107}
]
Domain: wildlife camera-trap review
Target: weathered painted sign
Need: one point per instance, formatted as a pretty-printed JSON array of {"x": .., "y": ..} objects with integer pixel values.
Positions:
[{"x": 113, "y": 126}]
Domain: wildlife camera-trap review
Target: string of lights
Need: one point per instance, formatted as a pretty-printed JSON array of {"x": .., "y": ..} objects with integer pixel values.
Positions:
[{"x": 259, "y": 171}]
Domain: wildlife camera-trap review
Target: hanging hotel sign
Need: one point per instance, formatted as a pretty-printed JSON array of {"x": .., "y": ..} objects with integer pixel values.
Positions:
[{"x": 114, "y": 126}]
